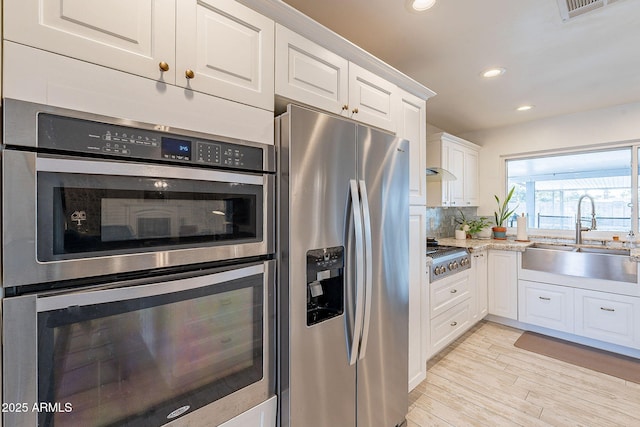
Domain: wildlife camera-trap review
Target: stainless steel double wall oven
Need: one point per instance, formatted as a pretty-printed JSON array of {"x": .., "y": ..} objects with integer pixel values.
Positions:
[{"x": 137, "y": 270}]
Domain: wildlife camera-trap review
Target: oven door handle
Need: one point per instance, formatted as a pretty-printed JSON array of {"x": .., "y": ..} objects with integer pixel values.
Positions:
[
  {"x": 355, "y": 219},
  {"x": 93, "y": 167},
  {"x": 103, "y": 295}
]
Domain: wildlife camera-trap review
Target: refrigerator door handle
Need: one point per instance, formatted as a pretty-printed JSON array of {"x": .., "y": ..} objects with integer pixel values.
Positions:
[
  {"x": 356, "y": 212},
  {"x": 368, "y": 254}
]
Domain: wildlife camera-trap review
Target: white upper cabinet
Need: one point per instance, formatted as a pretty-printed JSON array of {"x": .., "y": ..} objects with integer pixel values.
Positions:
[
  {"x": 228, "y": 48},
  {"x": 372, "y": 99},
  {"x": 129, "y": 35},
  {"x": 459, "y": 157},
  {"x": 412, "y": 125},
  {"x": 313, "y": 75},
  {"x": 309, "y": 73}
]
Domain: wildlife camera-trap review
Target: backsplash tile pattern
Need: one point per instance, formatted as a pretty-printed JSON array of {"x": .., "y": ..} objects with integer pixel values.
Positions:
[{"x": 439, "y": 220}]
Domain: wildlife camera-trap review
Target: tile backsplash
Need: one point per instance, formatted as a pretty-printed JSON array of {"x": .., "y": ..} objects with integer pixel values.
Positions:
[{"x": 441, "y": 221}]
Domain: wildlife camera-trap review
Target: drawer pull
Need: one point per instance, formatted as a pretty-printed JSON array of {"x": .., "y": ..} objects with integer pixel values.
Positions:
[
  {"x": 454, "y": 323},
  {"x": 545, "y": 298},
  {"x": 225, "y": 340},
  {"x": 453, "y": 291},
  {"x": 607, "y": 309}
]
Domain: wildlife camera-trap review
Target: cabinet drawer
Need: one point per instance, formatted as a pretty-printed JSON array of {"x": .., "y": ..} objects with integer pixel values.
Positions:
[
  {"x": 608, "y": 317},
  {"x": 448, "y": 292},
  {"x": 546, "y": 305},
  {"x": 446, "y": 327}
]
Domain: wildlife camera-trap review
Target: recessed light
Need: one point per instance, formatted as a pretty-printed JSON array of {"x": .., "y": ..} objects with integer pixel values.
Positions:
[
  {"x": 493, "y": 72},
  {"x": 524, "y": 108},
  {"x": 422, "y": 5}
]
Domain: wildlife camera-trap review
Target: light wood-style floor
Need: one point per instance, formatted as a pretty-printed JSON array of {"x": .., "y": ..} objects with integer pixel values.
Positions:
[{"x": 483, "y": 380}]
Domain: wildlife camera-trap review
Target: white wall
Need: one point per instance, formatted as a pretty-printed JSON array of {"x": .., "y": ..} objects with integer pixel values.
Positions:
[{"x": 598, "y": 127}]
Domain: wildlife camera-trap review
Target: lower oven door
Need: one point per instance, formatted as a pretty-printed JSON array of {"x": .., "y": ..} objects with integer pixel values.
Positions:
[{"x": 141, "y": 354}]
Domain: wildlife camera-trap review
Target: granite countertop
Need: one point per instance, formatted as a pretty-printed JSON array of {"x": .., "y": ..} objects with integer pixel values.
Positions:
[{"x": 478, "y": 245}]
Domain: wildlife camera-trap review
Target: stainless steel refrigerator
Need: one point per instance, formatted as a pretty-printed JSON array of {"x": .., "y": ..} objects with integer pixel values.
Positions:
[{"x": 343, "y": 286}]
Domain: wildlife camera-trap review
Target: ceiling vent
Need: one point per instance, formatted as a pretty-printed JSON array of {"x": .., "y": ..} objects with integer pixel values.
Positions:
[{"x": 572, "y": 8}]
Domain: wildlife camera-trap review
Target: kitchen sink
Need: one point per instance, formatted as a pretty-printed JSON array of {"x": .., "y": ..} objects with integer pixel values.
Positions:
[{"x": 594, "y": 263}]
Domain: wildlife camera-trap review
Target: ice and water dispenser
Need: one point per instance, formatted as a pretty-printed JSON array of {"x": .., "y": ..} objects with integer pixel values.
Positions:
[{"x": 325, "y": 284}]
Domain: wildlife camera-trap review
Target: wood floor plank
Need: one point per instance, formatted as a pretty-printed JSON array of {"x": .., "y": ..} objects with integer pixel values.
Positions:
[{"x": 483, "y": 380}]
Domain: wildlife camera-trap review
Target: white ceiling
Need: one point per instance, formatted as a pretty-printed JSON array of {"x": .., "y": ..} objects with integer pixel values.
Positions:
[{"x": 589, "y": 62}]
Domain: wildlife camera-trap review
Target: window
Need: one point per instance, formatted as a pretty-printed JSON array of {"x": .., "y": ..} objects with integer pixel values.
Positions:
[{"x": 548, "y": 189}]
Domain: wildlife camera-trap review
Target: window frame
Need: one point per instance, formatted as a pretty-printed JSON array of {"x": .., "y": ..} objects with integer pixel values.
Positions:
[{"x": 633, "y": 145}]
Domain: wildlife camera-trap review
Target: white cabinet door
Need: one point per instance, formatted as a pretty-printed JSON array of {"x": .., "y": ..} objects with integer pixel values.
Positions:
[
  {"x": 471, "y": 188},
  {"x": 502, "y": 276},
  {"x": 372, "y": 99},
  {"x": 608, "y": 317},
  {"x": 418, "y": 297},
  {"x": 308, "y": 73},
  {"x": 129, "y": 35},
  {"x": 546, "y": 305},
  {"x": 479, "y": 285},
  {"x": 225, "y": 49},
  {"x": 456, "y": 166},
  {"x": 412, "y": 125}
]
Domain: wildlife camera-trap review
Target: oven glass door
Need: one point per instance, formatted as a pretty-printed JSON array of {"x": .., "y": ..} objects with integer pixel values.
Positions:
[
  {"x": 98, "y": 211},
  {"x": 140, "y": 355}
]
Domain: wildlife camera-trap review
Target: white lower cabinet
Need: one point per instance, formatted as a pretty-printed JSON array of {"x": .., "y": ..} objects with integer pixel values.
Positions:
[
  {"x": 447, "y": 292},
  {"x": 546, "y": 305},
  {"x": 502, "y": 276},
  {"x": 449, "y": 325},
  {"x": 478, "y": 285},
  {"x": 450, "y": 307},
  {"x": 608, "y": 317}
]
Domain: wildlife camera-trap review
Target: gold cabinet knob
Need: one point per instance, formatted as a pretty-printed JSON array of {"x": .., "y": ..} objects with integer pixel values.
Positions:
[
  {"x": 163, "y": 66},
  {"x": 345, "y": 107},
  {"x": 189, "y": 74},
  {"x": 354, "y": 111}
]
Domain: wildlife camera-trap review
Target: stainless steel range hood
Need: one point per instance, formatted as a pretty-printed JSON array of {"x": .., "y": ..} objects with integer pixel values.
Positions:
[{"x": 439, "y": 174}]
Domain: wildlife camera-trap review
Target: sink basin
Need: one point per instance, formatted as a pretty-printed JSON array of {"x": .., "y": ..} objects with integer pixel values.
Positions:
[{"x": 594, "y": 263}]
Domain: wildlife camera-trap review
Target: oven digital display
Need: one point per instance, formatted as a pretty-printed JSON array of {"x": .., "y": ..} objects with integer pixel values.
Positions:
[{"x": 173, "y": 148}]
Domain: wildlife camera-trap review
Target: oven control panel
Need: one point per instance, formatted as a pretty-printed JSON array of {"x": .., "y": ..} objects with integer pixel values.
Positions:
[{"x": 85, "y": 136}]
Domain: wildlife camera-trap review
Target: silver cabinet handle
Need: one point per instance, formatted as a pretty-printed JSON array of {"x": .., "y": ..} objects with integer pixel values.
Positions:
[
  {"x": 607, "y": 309},
  {"x": 454, "y": 323},
  {"x": 453, "y": 291},
  {"x": 545, "y": 298}
]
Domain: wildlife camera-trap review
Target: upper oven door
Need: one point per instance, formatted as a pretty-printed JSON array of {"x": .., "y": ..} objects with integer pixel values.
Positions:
[{"x": 66, "y": 218}]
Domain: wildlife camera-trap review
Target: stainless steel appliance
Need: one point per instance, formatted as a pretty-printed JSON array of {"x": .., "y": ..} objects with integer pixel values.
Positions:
[
  {"x": 447, "y": 260},
  {"x": 141, "y": 352},
  {"x": 87, "y": 195},
  {"x": 343, "y": 277},
  {"x": 137, "y": 272}
]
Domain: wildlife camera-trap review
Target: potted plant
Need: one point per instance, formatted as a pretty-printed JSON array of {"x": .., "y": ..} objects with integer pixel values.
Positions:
[
  {"x": 463, "y": 226},
  {"x": 501, "y": 215},
  {"x": 476, "y": 226},
  {"x": 468, "y": 228}
]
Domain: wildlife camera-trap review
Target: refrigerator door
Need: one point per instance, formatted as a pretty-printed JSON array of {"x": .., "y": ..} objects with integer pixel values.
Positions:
[
  {"x": 383, "y": 165},
  {"x": 317, "y": 166}
]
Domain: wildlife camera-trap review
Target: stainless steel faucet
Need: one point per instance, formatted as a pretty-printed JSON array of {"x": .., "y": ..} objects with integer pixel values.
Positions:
[{"x": 579, "y": 227}]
